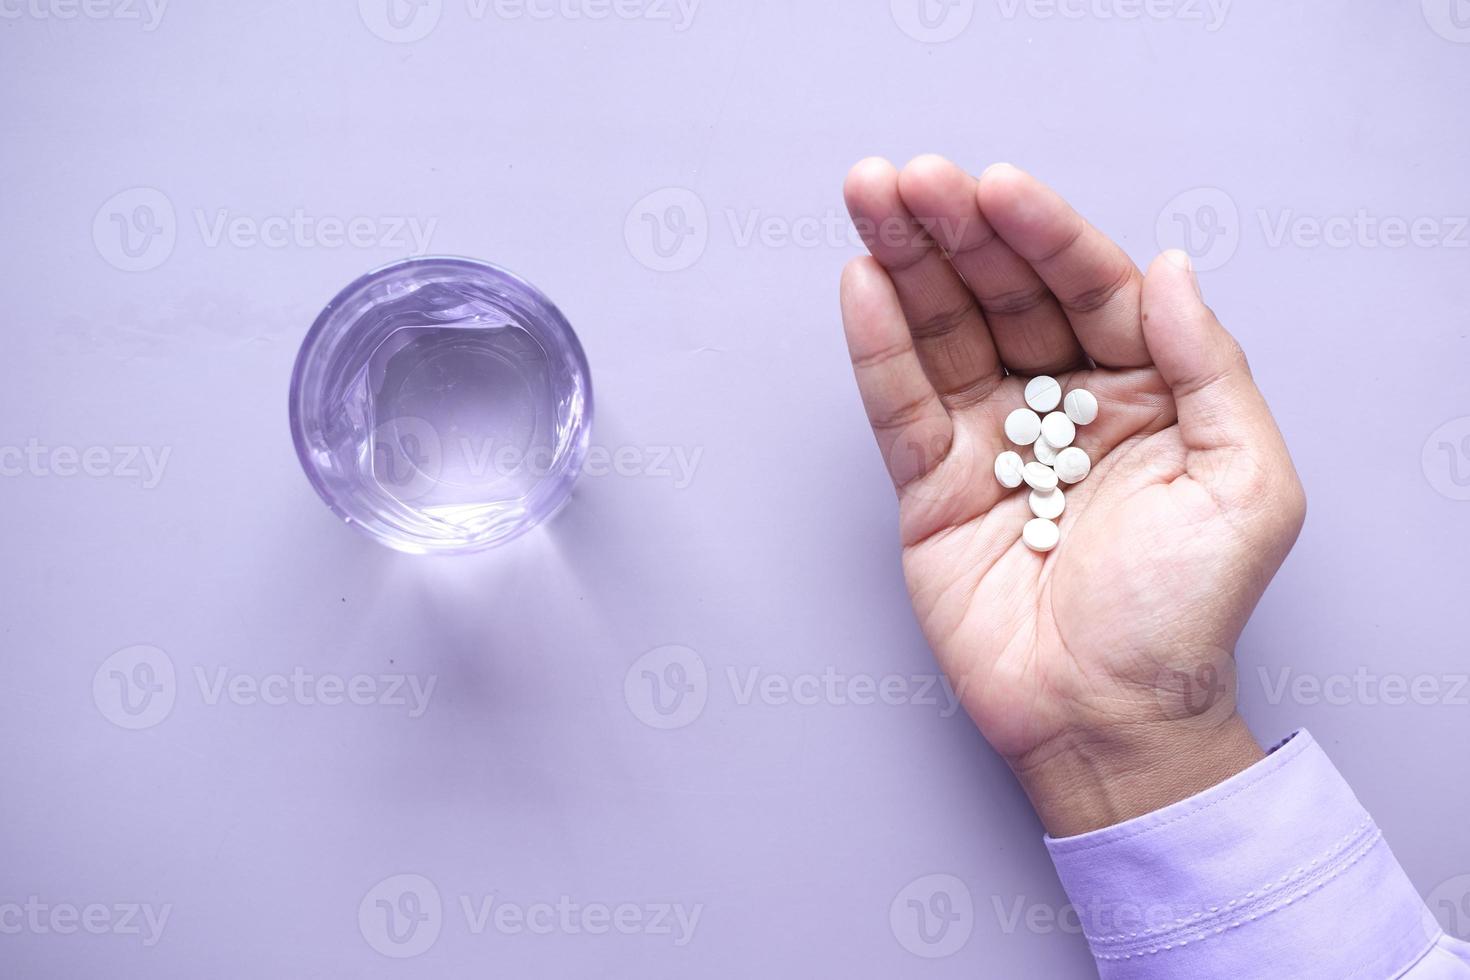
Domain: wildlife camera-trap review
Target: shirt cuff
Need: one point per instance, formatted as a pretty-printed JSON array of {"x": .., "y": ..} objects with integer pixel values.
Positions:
[{"x": 1276, "y": 872}]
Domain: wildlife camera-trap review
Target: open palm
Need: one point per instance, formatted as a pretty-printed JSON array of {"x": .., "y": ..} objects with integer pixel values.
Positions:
[{"x": 975, "y": 285}]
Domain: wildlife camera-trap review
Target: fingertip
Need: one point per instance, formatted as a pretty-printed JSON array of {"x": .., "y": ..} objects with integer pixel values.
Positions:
[
  {"x": 924, "y": 169},
  {"x": 1027, "y": 213},
  {"x": 869, "y": 182},
  {"x": 1171, "y": 283},
  {"x": 931, "y": 183},
  {"x": 1000, "y": 181}
]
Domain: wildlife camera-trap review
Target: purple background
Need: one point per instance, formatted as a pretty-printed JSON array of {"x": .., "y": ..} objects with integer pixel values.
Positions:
[{"x": 531, "y": 775}]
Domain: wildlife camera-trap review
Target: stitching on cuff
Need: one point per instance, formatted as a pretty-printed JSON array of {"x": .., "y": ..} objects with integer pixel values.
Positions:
[
  {"x": 1198, "y": 918},
  {"x": 1366, "y": 845}
]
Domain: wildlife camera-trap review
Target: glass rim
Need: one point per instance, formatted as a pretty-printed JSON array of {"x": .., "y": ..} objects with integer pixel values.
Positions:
[{"x": 548, "y": 326}]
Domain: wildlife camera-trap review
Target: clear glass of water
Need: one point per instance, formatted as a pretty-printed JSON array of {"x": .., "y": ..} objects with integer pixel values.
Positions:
[{"x": 441, "y": 405}]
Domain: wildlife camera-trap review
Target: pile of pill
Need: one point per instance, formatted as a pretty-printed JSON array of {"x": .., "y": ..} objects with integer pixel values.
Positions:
[{"x": 1049, "y": 433}]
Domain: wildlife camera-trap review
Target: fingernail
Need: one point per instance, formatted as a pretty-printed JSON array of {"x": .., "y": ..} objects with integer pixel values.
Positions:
[
  {"x": 997, "y": 167},
  {"x": 1180, "y": 260}
]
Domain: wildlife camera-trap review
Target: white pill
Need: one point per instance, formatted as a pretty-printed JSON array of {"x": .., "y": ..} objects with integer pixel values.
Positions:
[
  {"x": 1045, "y": 452},
  {"x": 1008, "y": 469},
  {"x": 1072, "y": 465},
  {"x": 1023, "y": 426},
  {"x": 1043, "y": 393},
  {"x": 1058, "y": 430},
  {"x": 1040, "y": 534},
  {"x": 1047, "y": 503},
  {"x": 1081, "y": 406},
  {"x": 1039, "y": 476}
]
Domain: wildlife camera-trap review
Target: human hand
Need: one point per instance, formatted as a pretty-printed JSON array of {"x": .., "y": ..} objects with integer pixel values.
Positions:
[{"x": 1079, "y": 665}]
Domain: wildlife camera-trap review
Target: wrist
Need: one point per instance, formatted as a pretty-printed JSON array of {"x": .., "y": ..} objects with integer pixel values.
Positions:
[{"x": 1084, "y": 780}]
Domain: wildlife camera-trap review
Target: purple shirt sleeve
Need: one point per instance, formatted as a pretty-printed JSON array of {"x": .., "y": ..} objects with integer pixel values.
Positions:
[{"x": 1276, "y": 872}]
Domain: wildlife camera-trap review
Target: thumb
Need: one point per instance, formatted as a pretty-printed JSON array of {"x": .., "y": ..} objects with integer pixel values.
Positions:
[
  {"x": 1235, "y": 448},
  {"x": 1218, "y": 403}
]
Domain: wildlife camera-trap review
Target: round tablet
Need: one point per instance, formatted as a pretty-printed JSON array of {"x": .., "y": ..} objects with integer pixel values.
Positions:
[
  {"x": 1039, "y": 476},
  {"x": 1045, "y": 452},
  {"x": 1008, "y": 469},
  {"x": 1047, "y": 503},
  {"x": 1058, "y": 430},
  {"x": 1081, "y": 406},
  {"x": 1072, "y": 465},
  {"x": 1040, "y": 534},
  {"x": 1043, "y": 393},
  {"x": 1023, "y": 426}
]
